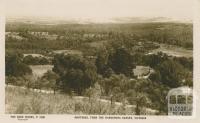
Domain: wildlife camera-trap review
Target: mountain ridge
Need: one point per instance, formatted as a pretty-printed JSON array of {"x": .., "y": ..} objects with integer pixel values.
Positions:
[{"x": 59, "y": 20}]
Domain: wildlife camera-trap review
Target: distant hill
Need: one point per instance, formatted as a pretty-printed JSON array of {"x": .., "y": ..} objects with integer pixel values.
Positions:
[{"x": 55, "y": 20}]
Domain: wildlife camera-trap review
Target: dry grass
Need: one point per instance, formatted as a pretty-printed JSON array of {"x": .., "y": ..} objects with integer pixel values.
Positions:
[
  {"x": 23, "y": 101},
  {"x": 173, "y": 51},
  {"x": 40, "y": 70}
]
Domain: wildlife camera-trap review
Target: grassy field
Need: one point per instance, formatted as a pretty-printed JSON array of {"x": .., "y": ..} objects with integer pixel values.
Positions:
[
  {"x": 39, "y": 70},
  {"x": 24, "y": 101},
  {"x": 172, "y": 50}
]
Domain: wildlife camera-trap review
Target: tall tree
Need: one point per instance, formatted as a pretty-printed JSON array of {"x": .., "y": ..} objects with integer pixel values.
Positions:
[
  {"x": 76, "y": 73},
  {"x": 172, "y": 73},
  {"x": 15, "y": 66},
  {"x": 122, "y": 62}
]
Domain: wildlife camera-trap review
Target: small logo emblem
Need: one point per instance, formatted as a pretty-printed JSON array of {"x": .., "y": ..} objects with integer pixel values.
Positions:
[{"x": 180, "y": 101}]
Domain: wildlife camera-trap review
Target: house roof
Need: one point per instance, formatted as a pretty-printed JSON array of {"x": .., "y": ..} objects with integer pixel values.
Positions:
[{"x": 141, "y": 70}]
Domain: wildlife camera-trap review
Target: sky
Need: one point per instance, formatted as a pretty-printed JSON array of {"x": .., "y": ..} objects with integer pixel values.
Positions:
[{"x": 181, "y": 9}]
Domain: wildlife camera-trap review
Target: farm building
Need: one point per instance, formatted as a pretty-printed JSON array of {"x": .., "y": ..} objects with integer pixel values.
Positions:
[
  {"x": 14, "y": 35},
  {"x": 38, "y": 33},
  {"x": 68, "y": 52},
  {"x": 142, "y": 72},
  {"x": 34, "y": 55}
]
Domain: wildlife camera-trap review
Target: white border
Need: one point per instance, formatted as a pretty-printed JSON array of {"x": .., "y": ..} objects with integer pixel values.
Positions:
[
  {"x": 4, "y": 118},
  {"x": 2, "y": 57}
]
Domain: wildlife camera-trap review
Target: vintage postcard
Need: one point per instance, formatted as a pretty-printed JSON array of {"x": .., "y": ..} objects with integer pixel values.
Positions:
[{"x": 100, "y": 61}]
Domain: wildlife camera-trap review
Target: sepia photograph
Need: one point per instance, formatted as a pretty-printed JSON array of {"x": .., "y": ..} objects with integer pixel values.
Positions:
[{"x": 99, "y": 57}]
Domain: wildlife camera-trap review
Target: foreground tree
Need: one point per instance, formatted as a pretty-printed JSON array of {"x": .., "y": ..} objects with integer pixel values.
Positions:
[
  {"x": 51, "y": 80},
  {"x": 172, "y": 73},
  {"x": 102, "y": 63},
  {"x": 76, "y": 73},
  {"x": 121, "y": 62},
  {"x": 139, "y": 99},
  {"x": 15, "y": 66}
]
